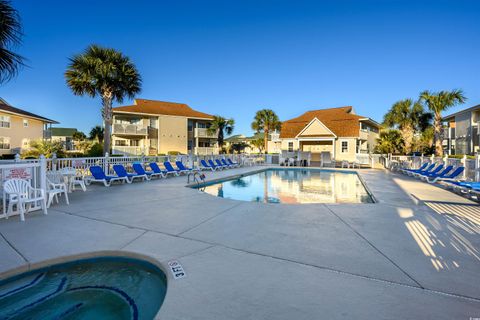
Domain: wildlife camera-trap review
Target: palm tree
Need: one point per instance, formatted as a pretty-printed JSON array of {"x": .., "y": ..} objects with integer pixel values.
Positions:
[
  {"x": 221, "y": 126},
  {"x": 409, "y": 117},
  {"x": 106, "y": 73},
  {"x": 96, "y": 133},
  {"x": 10, "y": 36},
  {"x": 258, "y": 143},
  {"x": 389, "y": 141},
  {"x": 265, "y": 121},
  {"x": 437, "y": 102},
  {"x": 79, "y": 136}
]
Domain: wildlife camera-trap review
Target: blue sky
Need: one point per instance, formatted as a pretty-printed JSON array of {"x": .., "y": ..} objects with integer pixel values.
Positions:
[{"x": 235, "y": 57}]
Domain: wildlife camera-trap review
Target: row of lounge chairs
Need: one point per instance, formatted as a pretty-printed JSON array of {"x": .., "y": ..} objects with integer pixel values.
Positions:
[
  {"x": 142, "y": 173},
  {"x": 447, "y": 176}
]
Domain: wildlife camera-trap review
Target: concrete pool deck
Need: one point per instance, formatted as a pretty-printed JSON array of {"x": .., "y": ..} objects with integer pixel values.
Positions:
[{"x": 415, "y": 254}]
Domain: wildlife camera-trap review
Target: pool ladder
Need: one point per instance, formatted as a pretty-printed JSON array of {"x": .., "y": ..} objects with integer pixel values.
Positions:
[{"x": 197, "y": 177}]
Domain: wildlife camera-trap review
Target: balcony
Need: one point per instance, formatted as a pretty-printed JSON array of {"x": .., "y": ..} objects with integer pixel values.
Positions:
[
  {"x": 129, "y": 129},
  {"x": 203, "y": 133},
  {"x": 129, "y": 150},
  {"x": 203, "y": 151}
]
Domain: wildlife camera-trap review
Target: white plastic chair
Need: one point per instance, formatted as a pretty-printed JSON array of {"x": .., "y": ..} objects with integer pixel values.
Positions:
[
  {"x": 74, "y": 179},
  {"x": 21, "y": 193},
  {"x": 56, "y": 186}
]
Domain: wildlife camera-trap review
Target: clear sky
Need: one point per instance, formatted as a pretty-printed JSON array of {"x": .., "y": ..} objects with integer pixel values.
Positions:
[{"x": 234, "y": 57}]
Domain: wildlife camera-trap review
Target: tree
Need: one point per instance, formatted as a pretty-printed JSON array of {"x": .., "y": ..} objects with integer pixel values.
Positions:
[
  {"x": 258, "y": 143},
  {"x": 265, "y": 121},
  {"x": 221, "y": 126},
  {"x": 409, "y": 117},
  {"x": 79, "y": 136},
  {"x": 45, "y": 147},
  {"x": 389, "y": 141},
  {"x": 437, "y": 102},
  {"x": 97, "y": 133},
  {"x": 10, "y": 36},
  {"x": 107, "y": 73},
  {"x": 238, "y": 147}
]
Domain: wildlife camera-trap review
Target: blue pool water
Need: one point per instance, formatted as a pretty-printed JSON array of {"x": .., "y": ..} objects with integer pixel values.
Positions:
[
  {"x": 293, "y": 186},
  {"x": 100, "y": 288}
]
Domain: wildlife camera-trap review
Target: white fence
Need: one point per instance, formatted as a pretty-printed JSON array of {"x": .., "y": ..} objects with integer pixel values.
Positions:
[
  {"x": 33, "y": 171},
  {"x": 472, "y": 166}
]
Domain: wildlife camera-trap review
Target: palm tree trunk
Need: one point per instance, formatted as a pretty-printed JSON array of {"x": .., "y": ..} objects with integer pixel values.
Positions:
[
  {"x": 107, "y": 118},
  {"x": 265, "y": 139},
  {"x": 220, "y": 139},
  {"x": 437, "y": 135},
  {"x": 407, "y": 135}
]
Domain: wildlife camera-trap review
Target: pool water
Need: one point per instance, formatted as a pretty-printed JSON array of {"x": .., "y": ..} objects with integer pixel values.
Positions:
[
  {"x": 293, "y": 186},
  {"x": 100, "y": 288}
]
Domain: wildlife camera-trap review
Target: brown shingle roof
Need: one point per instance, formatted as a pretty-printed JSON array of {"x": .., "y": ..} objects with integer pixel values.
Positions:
[
  {"x": 162, "y": 107},
  {"x": 4, "y": 106},
  {"x": 340, "y": 121}
]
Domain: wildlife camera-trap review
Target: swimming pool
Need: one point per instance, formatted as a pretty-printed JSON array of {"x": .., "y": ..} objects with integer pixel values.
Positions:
[
  {"x": 291, "y": 185},
  {"x": 98, "y": 288}
]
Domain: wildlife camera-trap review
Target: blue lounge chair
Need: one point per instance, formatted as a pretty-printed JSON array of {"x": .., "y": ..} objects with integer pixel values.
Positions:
[
  {"x": 171, "y": 169},
  {"x": 138, "y": 168},
  {"x": 432, "y": 172},
  {"x": 423, "y": 166},
  {"x": 221, "y": 165},
  {"x": 182, "y": 167},
  {"x": 212, "y": 164},
  {"x": 225, "y": 163},
  {"x": 98, "y": 175},
  {"x": 438, "y": 174},
  {"x": 236, "y": 164},
  {"x": 122, "y": 172},
  {"x": 428, "y": 169},
  {"x": 155, "y": 168},
  {"x": 206, "y": 166},
  {"x": 449, "y": 177}
]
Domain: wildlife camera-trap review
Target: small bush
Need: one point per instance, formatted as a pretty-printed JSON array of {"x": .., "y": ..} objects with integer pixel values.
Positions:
[
  {"x": 96, "y": 150},
  {"x": 173, "y": 153}
]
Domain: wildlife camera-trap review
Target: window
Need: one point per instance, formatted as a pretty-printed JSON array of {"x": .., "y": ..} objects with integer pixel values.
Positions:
[
  {"x": 201, "y": 125},
  {"x": 120, "y": 143},
  {"x": 4, "y": 121},
  {"x": 190, "y": 145},
  {"x": 290, "y": 147},
  {"x": 25, "y": 123},
  {"x": 344, "y": 146},
  {"x": 190, "y": 125},
  {"x": 4, "y": 143}
]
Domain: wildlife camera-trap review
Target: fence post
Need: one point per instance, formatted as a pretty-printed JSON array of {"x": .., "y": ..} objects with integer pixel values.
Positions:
[
  {"x": 421, "y": 159},
  {"x": 432, "y": 157},
  {"x": 17, "y": 157},
  {"x": 54, "y": 161},
  {"x": 43, "y": 174},
  {"x": 464, "y": 162},
  {"x": 477, "y": 166},
  {"x": 445, "y": 159},
  {"x": 105, "y": 163}
]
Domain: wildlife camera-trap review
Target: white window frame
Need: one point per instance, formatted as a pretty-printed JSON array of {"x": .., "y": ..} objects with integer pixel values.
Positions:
[
  {"x": 341, "y": 146},
  {"x": 4, "y": 119},
  {"x": 5, "y": 141},
  {"x": 288, "y": 147},
  {"x": 25, "y": 123}
]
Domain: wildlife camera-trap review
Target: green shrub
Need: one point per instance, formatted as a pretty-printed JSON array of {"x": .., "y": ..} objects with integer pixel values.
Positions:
[
  {"x": 96, "y": 150},
  {"x": 173, "y": 153}
]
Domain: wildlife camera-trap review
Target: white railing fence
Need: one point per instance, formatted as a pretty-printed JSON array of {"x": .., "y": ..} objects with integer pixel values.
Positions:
[
  {"x": 32, "y": 171},
  {"x": 472, "y": 165}
]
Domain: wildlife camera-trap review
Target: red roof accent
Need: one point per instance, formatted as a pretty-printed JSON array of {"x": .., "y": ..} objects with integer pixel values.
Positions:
[{"x": 144, "y": 106}]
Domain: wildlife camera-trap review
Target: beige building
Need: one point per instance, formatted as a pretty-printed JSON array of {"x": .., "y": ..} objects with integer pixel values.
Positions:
[
  {"x": 153, "y": 127},
  {"x": 338, "y": 131},
  {"x": 18, "y": 127}
]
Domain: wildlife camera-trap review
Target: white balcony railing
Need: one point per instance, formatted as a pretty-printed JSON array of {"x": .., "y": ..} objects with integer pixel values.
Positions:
[
  {"x": 203, "y": 133},
  {"x": 129, "y": 150},
  {"x": 205, "y": 151},
  {"x": 132, "y": 129}
]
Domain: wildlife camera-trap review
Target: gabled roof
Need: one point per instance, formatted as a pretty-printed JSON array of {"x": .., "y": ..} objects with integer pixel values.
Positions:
[
  {"x": 63, "y": 132},
  {"x": 155, "y": 107},
  {"x": 6, "y": 107},
  {"x": 341, "y": 121}
]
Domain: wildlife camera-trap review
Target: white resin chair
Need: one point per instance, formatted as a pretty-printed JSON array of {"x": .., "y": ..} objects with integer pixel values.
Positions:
[
  {"x": 74, "y": 179},
  {"x": 19, "y": 192},
  {"x": 56, "y": 186}
]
